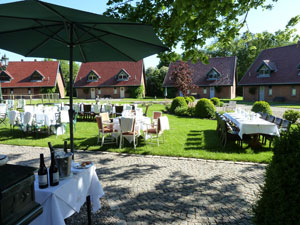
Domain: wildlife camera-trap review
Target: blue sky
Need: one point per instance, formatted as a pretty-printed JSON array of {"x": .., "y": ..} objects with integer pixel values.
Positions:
[{"x": 258, "y": 20}]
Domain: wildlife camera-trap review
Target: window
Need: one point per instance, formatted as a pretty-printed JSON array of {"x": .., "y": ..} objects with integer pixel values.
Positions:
[
  {"x": 270, "y": 90},
  {"x": 264, "y": 71},
  {"x": 99, "y": 91},
  {"x": 293, "y": 91},
  {"x": 29, "y": 91},
  {"x": 92, "y": 76},
  {"x": 36, "y": 76},
  {"x": 122, "y": 75},
  {"x": 213, "y": 75},
  {"x": 4, "y": 77},
  {"x": 115, "y": 91},
  {"x": 4, "y": 91},
  {"x": 204, "y": 91},
  {"x": 188, "y": 92},
  {"x": 11, "y": 91}
]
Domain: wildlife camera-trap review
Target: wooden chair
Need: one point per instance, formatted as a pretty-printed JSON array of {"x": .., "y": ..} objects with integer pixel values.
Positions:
[
  {"x": 119, "y": 110},
  {"x": 285, "y": 126},
  {"x": 265, "y": 116},
  {"x": 105, "y": 128},
  {"x": 157, "y": 131},
  {"x": 146, "y": 110},
  {"x": 271, "y": 118},
  {"x": 87, "y": 111},
  {"x": 127, "y": 129},
  {"x": 229, "y": 133}
]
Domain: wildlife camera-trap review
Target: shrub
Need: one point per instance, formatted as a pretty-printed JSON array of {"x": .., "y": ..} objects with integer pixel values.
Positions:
[
  {"x": 192, "y": 98},
  {"x": 191, "y": 111},
  {"x": 167, "y": 108},
  {"x": 181, "y": 111},
  {"x": 221, "y": 104},
  {"x": 205, "y": 109},
  {"x": 188, "y": 100},
  {"x": 279, "y": 197},
  {"x": 291, "y": 115},
  {"x": 215, "y": 101},
  {"x": 135, "y": 92},
  {"x": 261, "y": 106},
  {"x": 177, "y": 102}
]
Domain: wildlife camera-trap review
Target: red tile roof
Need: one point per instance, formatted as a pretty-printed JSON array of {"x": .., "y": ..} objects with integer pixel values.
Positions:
[
  {"x": 107, "y": 71},
  {"x": 21, "y": 72},
  {"x": 285, "y": 59},
  {"x": 224, "y": 65}
]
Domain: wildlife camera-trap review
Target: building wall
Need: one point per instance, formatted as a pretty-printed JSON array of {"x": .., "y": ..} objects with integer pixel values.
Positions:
[
  {"x": 277, "y": 91},
  {"x": 20, "y": 91},
  {"x": 60, "y": 84},
  {"x": 224, "y": 92},
  {"x": 105, "y": 91}
]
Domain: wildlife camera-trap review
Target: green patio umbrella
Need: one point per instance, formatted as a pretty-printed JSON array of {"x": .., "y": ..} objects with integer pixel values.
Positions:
[{"x": 34, "y": 28}]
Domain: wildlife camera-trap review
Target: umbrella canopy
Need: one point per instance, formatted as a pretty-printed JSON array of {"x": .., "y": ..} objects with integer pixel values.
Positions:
[{"x": 34, "y": 28}]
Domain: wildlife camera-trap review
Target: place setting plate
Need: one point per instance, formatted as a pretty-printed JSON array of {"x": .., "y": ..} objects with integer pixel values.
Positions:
[{"x": 83, "y": 165}]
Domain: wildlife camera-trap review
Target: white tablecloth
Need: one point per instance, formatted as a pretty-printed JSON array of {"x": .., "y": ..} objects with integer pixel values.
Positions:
[
  {"x": 60, "y": 202},
  {"x": 255, "y": 126}
]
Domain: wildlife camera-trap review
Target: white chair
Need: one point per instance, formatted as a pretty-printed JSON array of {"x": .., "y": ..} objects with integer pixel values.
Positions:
[
  {"x": 3, "y": 113},
  {"x": 38, "y": 121},
  {"x": 105, "y": 128},
  {"x": 27, "y": 123},
  {"x": 127, "y": 107},
  {"x": 230, "y": 106},
  {"x": 12, "y": 118},
  {"x": 29, "y": 108},
  {"x": 10, "y": 103},
  {"x": 127, "y": 130},
  {"x": 21, "y": 103},
  {"x": 156, "y": 132}
]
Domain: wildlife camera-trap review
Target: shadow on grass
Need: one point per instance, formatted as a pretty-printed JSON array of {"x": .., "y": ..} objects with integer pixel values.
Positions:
[{"x": 9, "y": 134}]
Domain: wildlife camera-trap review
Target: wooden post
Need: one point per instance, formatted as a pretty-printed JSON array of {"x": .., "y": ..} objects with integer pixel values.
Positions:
[{"x": 30, "y": 99}]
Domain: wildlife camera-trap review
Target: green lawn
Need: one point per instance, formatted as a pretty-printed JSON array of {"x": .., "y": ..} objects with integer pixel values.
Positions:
[{"x": 187, "y": 137}]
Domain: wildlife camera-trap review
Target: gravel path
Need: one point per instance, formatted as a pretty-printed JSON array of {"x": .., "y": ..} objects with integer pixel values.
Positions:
[{"x": 163, "y": 190}]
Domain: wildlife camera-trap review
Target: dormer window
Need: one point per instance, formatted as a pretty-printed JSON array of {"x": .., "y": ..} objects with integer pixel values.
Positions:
[
  {"x": 122, "y": 76},
  {"x": 36, "y": 76},
  {"x": 213, "y": 74},
  {"x": 92, "y": 76},
  {"x": 265, "y": 68},
  {"x": 4, "y": 77}
]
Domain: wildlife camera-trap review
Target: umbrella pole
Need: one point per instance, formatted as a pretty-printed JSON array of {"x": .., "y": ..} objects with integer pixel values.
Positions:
[{"x": 71, "y": 91}]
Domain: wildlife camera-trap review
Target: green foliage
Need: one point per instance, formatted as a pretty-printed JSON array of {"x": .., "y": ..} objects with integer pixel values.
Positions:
[
  {"x": 171, "y": 92},
  {"x": 167, "y": 58},
  {"x": 216, "y": 101},
  {"x": 279, "y": 197},
  {"x": 48, "y": 90},
  {"x": 154, "y": 79},
  {"x": 177, "y": 102},
  {"x": 252, "y": 90},
  {"x": 291, "y": 115},
  {"x": 181, "y": 111},
  {"x": 205, "y": 109},
  {"x": 190, "y": 23},
  {"x": 221, "y": 104},
  {"x": 261, "y": 106},
  {"x": 135, "y": 92},
  {"x": 192, "y": 98},
  {"x": 188, "y": 100}
]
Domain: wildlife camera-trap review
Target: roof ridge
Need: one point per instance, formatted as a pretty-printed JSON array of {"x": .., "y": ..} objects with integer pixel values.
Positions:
[{"x": 285, "y": 46}]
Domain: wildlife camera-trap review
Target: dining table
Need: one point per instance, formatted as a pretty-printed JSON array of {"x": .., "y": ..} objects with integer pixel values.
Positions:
[
  {"x": 61, "y": 201},
  {"x": 253, "y": 125}
]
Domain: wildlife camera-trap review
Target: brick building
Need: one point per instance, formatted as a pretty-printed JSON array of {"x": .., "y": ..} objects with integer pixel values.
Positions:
[
  {"x": 274, "y": 76},
  {"x": 31, "y": 78},
  {"x": 215, "y": 79},
  {"x": 109, "y": 79}
]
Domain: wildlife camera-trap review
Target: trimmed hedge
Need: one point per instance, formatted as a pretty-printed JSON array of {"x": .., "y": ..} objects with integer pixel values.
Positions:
[
  {"x": 205, "y": 109},
  {"x": 291, "y": 115},
  {"x": 279, "y": 201},
  {"x": 192, "y": 98},
  {"x": 181, "y": 111},
  {"x": 178, "y": 102},
  {"x": 188, "y": 100},
  {"x": 216, "y": 101},
  {"x": 261, "y": 106}
]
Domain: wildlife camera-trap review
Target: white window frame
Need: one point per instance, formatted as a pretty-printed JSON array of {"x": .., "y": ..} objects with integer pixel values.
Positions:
[
  {"x": 115, "y": 91},
  {"x": 204, "y": 91},
  {"x": 188, "y": 92},
  {"x": 294, "y": 91},
  {"x": 264, "y": 71},
  {"x": 99, "y": 91},
  {"x": 270, "y": 91}
]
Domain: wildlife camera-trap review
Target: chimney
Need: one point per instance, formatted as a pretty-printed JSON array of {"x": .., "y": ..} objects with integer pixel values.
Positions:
[
  {"x": 35, "y": 60},
  {"x": 22, "y": 60}
]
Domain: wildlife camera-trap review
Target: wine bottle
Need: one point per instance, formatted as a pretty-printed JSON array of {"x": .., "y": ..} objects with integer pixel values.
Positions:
[
  {"x": 65, "y": 147},
  {"x": 50, "y": 147},
  {"x": 53, "y": 172},
  {"x": 42, "y": 173}
]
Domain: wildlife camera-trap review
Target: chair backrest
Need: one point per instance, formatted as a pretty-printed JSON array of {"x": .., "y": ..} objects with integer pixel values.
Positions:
[
  {"x": 264, "y": 116},
  {"x": 64, "y": 116},
  {"x": 286, "y": 124},
  {"x": 278, "y": 121},
  {"x": 39, "y": 118},
  {"x": 105, "y": 116},
  {"x": 29, "y": 108},
  {"x": 127, "y": 124},
  {"x": 99, "y": 122},
  {"x": 156, "y": 115},
  {"x": 271, "y": 118},
  {"x": 12, "y": 116},
  {"x": 127, "y": 107},
  {"x": 3, "y": 108},
  {"x": 28, "y": 118},
  {"x": 87, "y": 108},
  {"x": 119, "y": 108},
  {"x": 76, "y": 108},
  {"x": 163, "y": 123},
  {"x": 146, "y": 110},
  {"x": 97, "y": 108}
]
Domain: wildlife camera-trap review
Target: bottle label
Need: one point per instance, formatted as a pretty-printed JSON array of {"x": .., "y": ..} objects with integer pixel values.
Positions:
[
  {"x": 55, "y": 177},
  {"x": 43, "y": 179}
]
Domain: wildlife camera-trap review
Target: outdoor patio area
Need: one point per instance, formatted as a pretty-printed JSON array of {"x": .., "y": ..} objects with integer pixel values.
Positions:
[{"x": 163, "y": 190}]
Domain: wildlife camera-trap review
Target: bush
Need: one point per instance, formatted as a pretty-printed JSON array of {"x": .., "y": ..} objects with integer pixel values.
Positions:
[
  {"x": 221, "y": 104},
  {"x": 279, "y": 197},
  {"x": 167, "y": 108},
  {"x": 188, "y": 100},
  {"x": 135, "y": 92},
  {"x": 215, "y": 101},
  {"x": 192, "y": 98},
  {"x": 205, "y": 109},
  {"x": 177, "y": 102},
  {"x": 291, "y": 115},
  {"x": 181, "y": 111},
  {"x": 261, "y": 106}
]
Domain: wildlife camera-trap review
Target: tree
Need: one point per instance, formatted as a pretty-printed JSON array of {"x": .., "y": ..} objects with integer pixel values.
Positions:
[
  {"x": 167, "y": 58},
  {"x": 181, "y": 75},
  {"x": 188, "y": 23},
  {"x": 64, "y": 65},
  {"x": 155, "y": 78}
]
